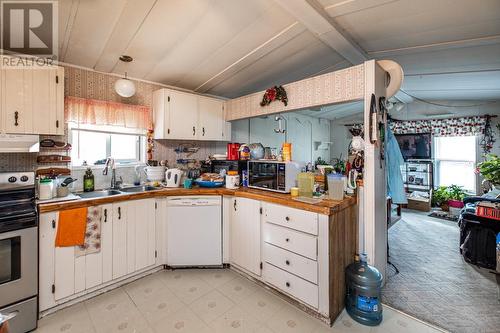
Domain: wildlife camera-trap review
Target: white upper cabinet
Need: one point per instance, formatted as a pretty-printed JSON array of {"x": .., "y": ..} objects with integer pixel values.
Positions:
[
  {"x": 211, "y": 118},
  {"x": 183, "y": 109},
  {"x": 32, "y": 100},
  {"x": 184, "y": 116}
]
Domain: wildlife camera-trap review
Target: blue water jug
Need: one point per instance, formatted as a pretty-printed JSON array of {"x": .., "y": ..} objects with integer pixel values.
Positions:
[{"x": 363, "y": 296}]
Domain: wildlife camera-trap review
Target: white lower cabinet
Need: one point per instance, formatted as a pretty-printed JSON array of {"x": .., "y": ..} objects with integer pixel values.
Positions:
[
  {"x": 291, "y": 284},
  {"x": 128, "y": 245},
  {"x": 245, "y": 234}
]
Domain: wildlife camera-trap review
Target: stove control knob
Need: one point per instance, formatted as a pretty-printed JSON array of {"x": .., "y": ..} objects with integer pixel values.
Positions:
[
  {"x": 24, "y": 178},
  {"x": 12, "y": 179}
]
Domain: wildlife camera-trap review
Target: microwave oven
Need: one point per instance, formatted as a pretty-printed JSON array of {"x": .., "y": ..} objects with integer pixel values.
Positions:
[{"x": 273, "y": 175}]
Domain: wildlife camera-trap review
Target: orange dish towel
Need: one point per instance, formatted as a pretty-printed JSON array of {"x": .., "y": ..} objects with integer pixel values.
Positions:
[{"x": 72, "y": 227}]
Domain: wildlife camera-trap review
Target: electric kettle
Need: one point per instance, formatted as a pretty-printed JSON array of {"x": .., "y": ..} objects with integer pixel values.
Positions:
[{"x": 173, "y": 177}]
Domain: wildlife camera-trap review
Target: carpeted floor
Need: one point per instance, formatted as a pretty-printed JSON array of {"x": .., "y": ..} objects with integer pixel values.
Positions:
[{"x": 435, "y": 284}]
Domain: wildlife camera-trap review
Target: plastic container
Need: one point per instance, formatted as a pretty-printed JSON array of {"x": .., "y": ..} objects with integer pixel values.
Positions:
[
  {"x": 294, "y": 191},
  {"x": 305, "y": 182},
  {"x": 244, "y": 178},
  {"x": 45, "y": 189},
  {"x": 232, "y": 180},
  {"x": 336, "y": 182},
  {"x": 287, "y": 151},
  {"x": 363, "y": 294}
]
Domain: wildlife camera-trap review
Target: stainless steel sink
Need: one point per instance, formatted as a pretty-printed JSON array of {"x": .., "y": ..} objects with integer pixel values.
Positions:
[
  {"x": 98, "y": 194},
  {"x": 135, "y": 189}
]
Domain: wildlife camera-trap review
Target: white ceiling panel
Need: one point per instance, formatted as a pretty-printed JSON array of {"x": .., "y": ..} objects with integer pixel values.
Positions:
[
  {"x": 301, "y": 57},
  {"x": 406, "y": 23},
  {"x": 341, "y": 7},
  {"x": 261, "y": 36},
  {"x": 92, "y": 27},
  {"x": 221, "y": 23},
  {"x": 462, "y": 81},
  {"x": 132, "y": 16},
  {"x": 67, "y": 11},
  {"x": 165, "y": 28}
]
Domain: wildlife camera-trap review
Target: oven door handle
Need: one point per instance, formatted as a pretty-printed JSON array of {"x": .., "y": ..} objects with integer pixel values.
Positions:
[
  {"x": 7, "y": 316},
  {"x": 24, "y": 216}
]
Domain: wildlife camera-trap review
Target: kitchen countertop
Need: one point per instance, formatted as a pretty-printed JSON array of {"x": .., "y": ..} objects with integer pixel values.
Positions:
[{"x": 326, "y": 206}]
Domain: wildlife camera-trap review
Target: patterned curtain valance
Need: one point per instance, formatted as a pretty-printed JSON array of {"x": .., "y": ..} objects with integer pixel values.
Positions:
[
  {"x": 96, "y": 112},
  {"x": 442, "y": 127}
]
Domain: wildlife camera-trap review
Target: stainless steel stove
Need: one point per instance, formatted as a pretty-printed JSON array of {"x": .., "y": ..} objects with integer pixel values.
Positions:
[{"x": 18, "y": 251}]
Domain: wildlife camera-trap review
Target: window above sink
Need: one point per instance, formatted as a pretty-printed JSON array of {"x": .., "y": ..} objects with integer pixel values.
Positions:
[{"x": 95, "y": 143}]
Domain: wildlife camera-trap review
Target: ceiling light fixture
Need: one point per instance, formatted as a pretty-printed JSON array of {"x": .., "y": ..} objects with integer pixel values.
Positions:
[{"x": 125, "y": 87}]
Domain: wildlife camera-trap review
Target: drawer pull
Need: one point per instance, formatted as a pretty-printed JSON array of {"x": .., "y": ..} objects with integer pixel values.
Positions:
[
  {"x": 287, "y": 262},
  {"x": 16, "y": 118},
  {"x": 287, "y": 218},
  {"x": 287, "y": 239},
  {"x": 287, "y": 284}
]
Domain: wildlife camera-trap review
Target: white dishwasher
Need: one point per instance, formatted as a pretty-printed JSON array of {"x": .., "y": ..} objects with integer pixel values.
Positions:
[{"x": 194, "y": 231}]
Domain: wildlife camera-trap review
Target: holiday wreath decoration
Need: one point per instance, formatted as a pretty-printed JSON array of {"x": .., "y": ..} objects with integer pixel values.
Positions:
[{"x": 274, "y": 93}]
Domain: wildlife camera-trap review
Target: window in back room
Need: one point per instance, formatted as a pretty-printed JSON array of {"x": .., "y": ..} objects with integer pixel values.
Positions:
[
  {"x": 94, "y": 144},
  {"x": 455, "y": 159}
]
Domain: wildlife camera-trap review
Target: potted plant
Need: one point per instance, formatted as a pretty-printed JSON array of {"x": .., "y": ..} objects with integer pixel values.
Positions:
[
  {"x": 490, "y": 169},
  {"x": 457, "y": 195},
  {"x": 440, "y": 197}
]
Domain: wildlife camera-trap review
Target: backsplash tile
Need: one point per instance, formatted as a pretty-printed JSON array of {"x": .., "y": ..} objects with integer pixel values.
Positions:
[{"x": 164, "y": 150}]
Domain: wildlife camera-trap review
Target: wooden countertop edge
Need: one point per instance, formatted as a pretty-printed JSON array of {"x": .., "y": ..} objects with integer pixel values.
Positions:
[{"x": 326, "y": 207}]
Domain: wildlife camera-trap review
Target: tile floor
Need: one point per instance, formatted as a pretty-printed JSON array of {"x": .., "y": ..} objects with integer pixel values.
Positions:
[
  {"x": 203, "y": 301},
  {"x": 435, "y": 283}
]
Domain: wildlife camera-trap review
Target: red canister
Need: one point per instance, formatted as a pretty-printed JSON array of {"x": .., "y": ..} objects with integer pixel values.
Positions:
[{"x": 233, "y": 151}]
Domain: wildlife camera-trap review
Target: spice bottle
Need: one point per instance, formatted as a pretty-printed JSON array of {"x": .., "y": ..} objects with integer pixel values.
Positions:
[{"x": 88, "y": 181}]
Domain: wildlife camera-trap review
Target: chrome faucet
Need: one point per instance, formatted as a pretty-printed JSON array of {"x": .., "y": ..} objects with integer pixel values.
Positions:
[{"x": 110, "y": 164}]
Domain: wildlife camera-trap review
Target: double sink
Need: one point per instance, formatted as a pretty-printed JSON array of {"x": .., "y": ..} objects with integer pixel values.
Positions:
[{"x": 111, "y": 192}]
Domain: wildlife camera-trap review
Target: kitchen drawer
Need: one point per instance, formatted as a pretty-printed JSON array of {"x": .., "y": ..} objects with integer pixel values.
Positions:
[
  {"x": 291, "y": 262},
  {"x": 291, "y": 284},
  {"x": 291, "y": 218},
  {"x": 298, "y": 242}
]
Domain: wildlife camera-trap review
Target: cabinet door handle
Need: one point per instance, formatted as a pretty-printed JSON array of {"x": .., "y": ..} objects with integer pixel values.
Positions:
[
  {"x": 287, "y": 218},
  {"x": 16, "y": 118},
  {"x": 287, "y": 284},
  {"x": 57, "y": 123},
  {"x": 119, "y": 213},
  {"x": 234, "y": 204},
  {"x": 287, "y": 239},
  {"x": 287, "y": 262},
  {"x": 194, "y": 131},
  {"x": 105, "y": 215},
  {"x": 203, "y": 131}
]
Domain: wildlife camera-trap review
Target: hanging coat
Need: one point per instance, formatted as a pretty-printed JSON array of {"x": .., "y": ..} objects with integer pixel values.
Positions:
[{"x": 393, "y": 162}]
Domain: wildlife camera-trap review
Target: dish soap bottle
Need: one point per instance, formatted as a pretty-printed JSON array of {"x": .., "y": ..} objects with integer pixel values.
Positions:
[{"x": 88, "y": 181}]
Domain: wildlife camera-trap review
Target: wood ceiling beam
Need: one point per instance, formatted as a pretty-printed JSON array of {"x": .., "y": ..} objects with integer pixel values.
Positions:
[{"x": 312, "y": 14}]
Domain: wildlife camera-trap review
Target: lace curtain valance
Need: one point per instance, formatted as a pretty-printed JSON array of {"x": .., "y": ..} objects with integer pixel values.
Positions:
[{"x": 96, "y": 112}]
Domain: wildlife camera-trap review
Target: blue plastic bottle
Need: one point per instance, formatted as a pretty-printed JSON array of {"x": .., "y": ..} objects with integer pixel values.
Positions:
[{"x": 363, "y": 295}]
